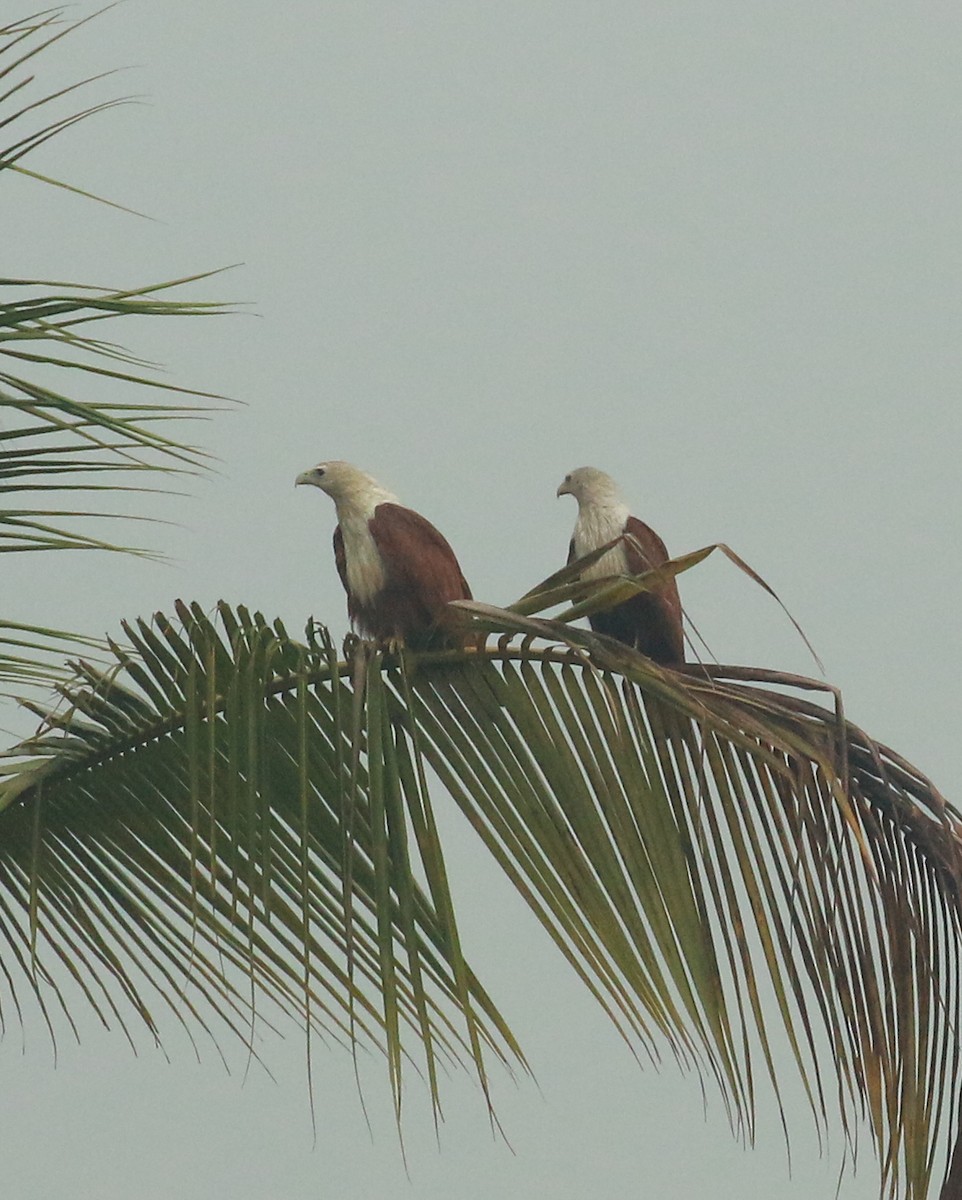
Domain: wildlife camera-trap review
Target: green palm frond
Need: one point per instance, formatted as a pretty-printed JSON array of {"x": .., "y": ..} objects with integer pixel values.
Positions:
[
  {"x": 75, "y": 449},
  {"x": 197, "y": 822},
  {"x": 53, "y": 443},
  {"x": 32, "y": 657},
  {"x": 20, "y": 42},
  {"x": 723, "y": 861}
]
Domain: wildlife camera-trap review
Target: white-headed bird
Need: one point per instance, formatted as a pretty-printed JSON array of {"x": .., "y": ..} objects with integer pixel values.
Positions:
[
  {"x": 397, "y": 569},
  {"x": 650, "y": 621}
]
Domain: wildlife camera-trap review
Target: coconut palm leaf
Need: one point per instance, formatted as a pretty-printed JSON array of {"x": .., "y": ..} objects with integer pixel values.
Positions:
[
  {"x": 66, "y": 460},
  {"x": 589, "y": 596},
  {"x": 218, "y": 814},
  {"x": 55, "y": 444},
  {"x": 725, "y": 862},
  {"x": 21, "y": 41},
  {"x": 34, "y": 657}
]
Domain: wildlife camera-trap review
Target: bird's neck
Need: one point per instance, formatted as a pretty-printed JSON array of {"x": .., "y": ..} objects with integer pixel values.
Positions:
[{"x": 355, "y": 505}]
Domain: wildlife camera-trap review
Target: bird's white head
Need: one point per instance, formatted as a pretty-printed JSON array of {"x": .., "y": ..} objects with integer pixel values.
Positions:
[
  {"x": 591, "y": 487},
  {"x": 352, "y": 491}
]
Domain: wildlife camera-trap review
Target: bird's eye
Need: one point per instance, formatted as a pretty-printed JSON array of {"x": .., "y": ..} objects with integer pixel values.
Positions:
[{"x": 319, "y": 471}]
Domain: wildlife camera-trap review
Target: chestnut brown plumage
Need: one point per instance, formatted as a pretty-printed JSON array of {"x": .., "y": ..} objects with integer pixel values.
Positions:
[
  {"x": 650, "y": 622},
  {"x": 398, "y": 571}
]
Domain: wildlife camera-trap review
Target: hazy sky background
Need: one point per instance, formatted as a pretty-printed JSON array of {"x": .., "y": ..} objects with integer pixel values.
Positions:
[{"x": 714, "y": 250}]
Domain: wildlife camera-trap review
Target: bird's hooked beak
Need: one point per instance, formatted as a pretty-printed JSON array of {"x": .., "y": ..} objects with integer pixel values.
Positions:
[
  {"x": 307, "y": 477},
  {"x": 564, "y": 489}
]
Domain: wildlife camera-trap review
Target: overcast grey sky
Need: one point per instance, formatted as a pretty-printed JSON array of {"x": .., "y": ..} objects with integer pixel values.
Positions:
[{"x": 714, "y": 250}]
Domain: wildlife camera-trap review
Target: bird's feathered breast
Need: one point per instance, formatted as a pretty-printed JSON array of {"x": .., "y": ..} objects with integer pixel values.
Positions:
[
  {"x": 597, "y": 524},
  {"x": 358, "y": 559}
]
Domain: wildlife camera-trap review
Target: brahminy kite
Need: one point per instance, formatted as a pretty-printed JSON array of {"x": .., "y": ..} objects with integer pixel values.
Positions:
[
  {"x": 650, "y": 621},
  {"x": 397, "y": 569}
]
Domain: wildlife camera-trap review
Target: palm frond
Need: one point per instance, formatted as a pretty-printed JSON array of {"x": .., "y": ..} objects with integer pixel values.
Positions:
[
  {"x": 52, "y": 440},
  {"x": 723, "y": 861},
  {"x": 217, "y": 813},
  {"x": 810, "y": 876},
  {"x": 56, "y": 443},
  {"x": 20, "y": 42},
  {"x": 32, "y": 658},
  {"x": 589, "y": 596}
]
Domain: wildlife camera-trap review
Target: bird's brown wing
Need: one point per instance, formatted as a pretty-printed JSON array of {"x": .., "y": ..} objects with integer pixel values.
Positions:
[
  {"x": 415, "y": 551},
  {"x": 422, "y": 572},
  {"x": 340, "y": 560},
  {"x": 655, "y": 617},
  {"x": 651, "y": 621},
  {"x": 650, "y": 552}
]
